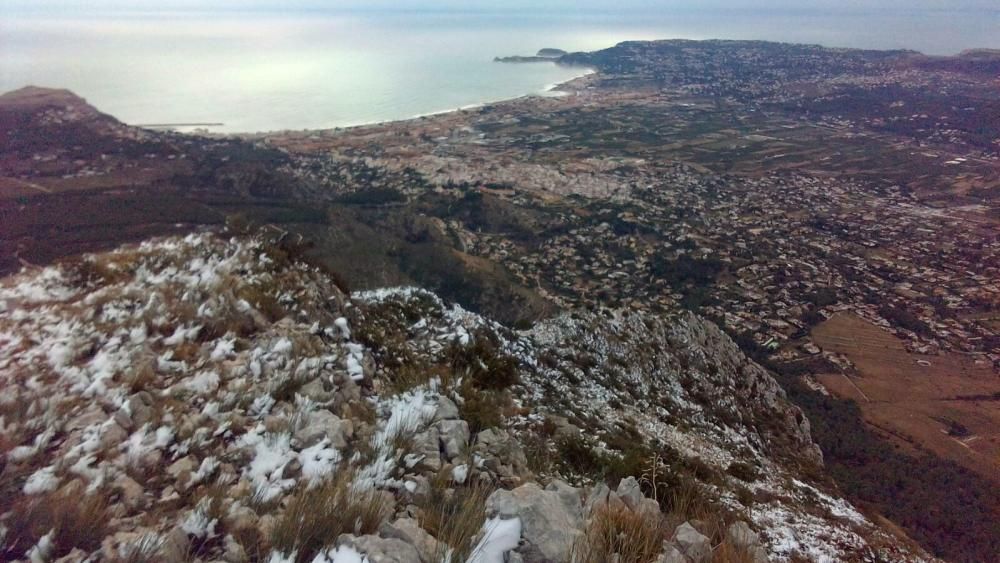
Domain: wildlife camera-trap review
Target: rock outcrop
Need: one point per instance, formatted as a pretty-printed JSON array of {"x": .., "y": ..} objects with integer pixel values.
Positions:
[{"x": 205, "y": 399}]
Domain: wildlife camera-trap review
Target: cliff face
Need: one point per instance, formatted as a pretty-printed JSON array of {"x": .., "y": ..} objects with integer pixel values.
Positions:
[{"x": 204, "y": 398}]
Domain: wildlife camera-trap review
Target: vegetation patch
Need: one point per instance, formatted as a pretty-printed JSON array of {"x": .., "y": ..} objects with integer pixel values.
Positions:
[
  {"x": 454, "y": 515},
  {"x": 316, "y": 516}
]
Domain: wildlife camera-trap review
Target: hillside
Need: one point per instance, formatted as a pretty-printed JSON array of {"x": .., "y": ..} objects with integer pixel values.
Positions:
[
  {"x": 201, "y": 398},
  {"x": 831, "y": 213}
]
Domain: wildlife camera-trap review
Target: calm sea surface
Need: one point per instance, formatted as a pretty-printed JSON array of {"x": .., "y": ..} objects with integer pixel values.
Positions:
[{"x": 270, "y": 71}]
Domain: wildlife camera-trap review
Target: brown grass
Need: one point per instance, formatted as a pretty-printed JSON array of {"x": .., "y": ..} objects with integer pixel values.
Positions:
[
  {"x": 414, "y": 374},
  {"x": 145, "y": 550},
  {"x": 483, "y": 408},
  {"x": 614, "y": 532},
  {"x": 315, "y": 517},
  {"x": 455, "y": 516},
  {"x": 78, "y": 521},
  {"x": 726, "y": 552}
]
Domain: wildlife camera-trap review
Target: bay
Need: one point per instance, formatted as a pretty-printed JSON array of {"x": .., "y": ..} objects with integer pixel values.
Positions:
[{"x": 257, "y": 71}]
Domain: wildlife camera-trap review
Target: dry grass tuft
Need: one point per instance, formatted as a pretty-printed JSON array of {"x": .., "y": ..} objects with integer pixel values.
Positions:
[
  {"x": 315, "y": 517},
  {"x": 75, "y": 521},
  {"x": 145, "y": 550},
  {"x": 692, "y": 501},
  {"x": 413, "y": 374},
  {"x": 727, "y": 552},
  {"x": 454, "y": 516},
  {"x": 615, "y": 533},
  {"x": 483, "y": 408}
]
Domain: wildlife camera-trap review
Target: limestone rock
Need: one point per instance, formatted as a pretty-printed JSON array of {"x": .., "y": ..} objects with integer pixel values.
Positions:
[
  {"x": 316, "y": 391},
  {"x": 692, "y": 543},
  {"x": 324, "y": 424},
  {"x": 409, "y": 530},
  {"x": 571, "y": 497},
  {"x": 503, "y": 455},
  {"x": 446, "y": 409},
  {"x": 671, "y": 555},
  {"x": 183, "y": 465},
  {"x": 426, "y": 444},
  {"x": 547, "y": 524},
  {"x": 630, "y": 492},
  {"x": 132, "y": 493},
  {"x": 381, "y": 550},
  {"x": 454, "y": 436}
]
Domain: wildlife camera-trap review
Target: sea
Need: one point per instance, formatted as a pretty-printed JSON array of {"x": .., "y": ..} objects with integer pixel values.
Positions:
[{"x": 250, "y": 71}]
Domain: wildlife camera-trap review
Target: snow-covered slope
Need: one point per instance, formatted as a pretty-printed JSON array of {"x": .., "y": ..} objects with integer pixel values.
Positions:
[{"x": 179, "y": 399}]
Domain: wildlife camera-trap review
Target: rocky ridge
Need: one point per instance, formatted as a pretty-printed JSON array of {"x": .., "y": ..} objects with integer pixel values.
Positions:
[{"x": 205, "y": 398}]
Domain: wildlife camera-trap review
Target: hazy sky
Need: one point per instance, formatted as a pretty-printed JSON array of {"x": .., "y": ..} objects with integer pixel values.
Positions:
[{"x": 514, "y": 5}]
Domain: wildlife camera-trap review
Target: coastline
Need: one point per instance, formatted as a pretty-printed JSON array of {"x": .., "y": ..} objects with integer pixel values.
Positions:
[{"x": 554, "y": 90}]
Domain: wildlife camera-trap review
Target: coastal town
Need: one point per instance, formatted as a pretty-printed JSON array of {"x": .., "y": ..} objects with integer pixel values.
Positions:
[
  {"x": 836, "y": 213},
  {"x": 776, "y": 241}
]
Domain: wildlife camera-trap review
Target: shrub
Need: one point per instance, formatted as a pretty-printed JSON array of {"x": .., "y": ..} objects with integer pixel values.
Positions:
[
  {"x": 482, "y": 408},
  {"x": 576, "y": 456},
  {"x": 742, "y": 471},
  {"x": 315, "y": 517},
  {"x": 372, "y": 196},
  {"x": 484, "y": 364}
]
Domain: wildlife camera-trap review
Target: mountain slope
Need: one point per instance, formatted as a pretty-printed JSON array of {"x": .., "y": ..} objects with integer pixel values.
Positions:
[{"x": 205, "y": 398}]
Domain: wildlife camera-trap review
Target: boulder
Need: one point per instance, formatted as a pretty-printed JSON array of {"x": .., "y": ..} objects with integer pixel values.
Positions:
[
  {"x": 571, "y": 497},
  {"x": 630, "y": 493},
  {"x": 692, "y": 543},
  {"x": 502, "y": 455},
  {"x": 316, "y": 390},
  {"x": 111, "y": 435},
  {"x": 446, "y": 409},
  {"x": 601, "y": 496},
  {"x": 409, "y": 530},
  {"x": 182, "y": 466},
  {"x": 132, "y": 493},
  {"x": 324, "y": 424},
  {"x": 649, "y": 508},
  {"x": 381, "y": 550},
  {"x": 548, "y": 525},
  {"x": 454, "y": 436},
  {"x": 427, "y": 445},
  {"x": 671, "y": 555}
]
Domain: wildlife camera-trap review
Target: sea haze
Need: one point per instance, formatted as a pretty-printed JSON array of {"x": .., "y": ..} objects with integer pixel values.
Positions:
[{"x": 269, "y": 71}]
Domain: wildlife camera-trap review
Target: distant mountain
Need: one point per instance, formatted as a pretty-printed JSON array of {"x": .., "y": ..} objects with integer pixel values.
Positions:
[
  {"x": 551, "y": 53},
  {"x": 31, "y": 117},
  {"x": 546, "y": 55}
]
